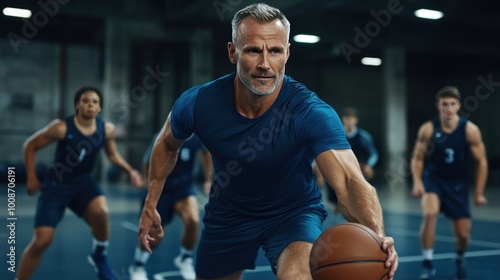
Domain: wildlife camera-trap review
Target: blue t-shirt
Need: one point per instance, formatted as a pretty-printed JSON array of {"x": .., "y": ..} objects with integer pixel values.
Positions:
[
  {"x": 262, "y": 165},
  {"x": 76, "y": 153},
  {"x": 182, "y": 174},
  {"x": 448, "y": 154}
]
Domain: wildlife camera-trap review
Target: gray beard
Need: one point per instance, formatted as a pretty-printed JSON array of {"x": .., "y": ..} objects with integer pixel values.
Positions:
[{"x": 247, "y": 82}]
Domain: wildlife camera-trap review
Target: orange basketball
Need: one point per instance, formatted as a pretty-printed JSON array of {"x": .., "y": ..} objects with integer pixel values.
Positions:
[{"x": 348, "y": 251}]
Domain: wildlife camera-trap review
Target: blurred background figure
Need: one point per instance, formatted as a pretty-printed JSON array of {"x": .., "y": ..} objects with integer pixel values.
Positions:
[
  {"x": 363, "y": 147},
  {"x": 178, "y": 197}
]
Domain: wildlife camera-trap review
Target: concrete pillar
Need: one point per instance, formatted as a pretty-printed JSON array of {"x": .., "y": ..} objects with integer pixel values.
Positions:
[
  {"x": 116, "y": 83},
  {"x": 397, "y": 169},
  {"x": 201, "y": 56}
]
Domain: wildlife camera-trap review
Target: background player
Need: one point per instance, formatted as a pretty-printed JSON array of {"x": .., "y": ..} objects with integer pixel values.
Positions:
[
  {"x": 362, "y": 145},
  {"x": 445, "y": 144},
  {"x": 69, "y": 182},
  {"x": 177, "y": 197}
]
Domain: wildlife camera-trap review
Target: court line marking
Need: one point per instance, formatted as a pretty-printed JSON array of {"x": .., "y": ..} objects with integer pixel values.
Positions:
[
  {"x": 443, "y": 238},
  {"x": 130, "y": 226}
]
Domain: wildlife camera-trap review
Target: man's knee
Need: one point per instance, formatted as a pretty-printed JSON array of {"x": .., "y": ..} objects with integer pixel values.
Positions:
[
  {"x": 41, "y": 241},
  {"x": 295, "y": 272},
  {"x": 430, "y": 215},
  {"x": 192, "y": 222},
  {"x": 97, "y": 210}
]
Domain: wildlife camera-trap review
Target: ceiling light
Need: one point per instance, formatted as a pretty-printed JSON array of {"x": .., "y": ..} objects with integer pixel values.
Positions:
[
  {"x": 372, "y": 61},
  {"x": 15, "y": 12},
  {"x": 428, "y": 14},
  {"x": 304, "y": 38}
]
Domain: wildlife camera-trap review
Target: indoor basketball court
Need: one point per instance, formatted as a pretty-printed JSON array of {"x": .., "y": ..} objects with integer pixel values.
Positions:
[
  {"x": 67, "y": 257},
  {"x": 385, "y": 61}
]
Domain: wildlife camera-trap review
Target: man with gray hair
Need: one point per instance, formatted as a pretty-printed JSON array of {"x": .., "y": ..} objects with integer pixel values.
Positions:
[{"x": 263, "y": 130}]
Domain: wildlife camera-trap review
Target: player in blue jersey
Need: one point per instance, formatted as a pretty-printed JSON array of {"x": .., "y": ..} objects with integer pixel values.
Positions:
[
  {"x": 439, "y": 167},
  {"x": 362, "y": 145},
  {"x": 177, "y": 197},
  {"x": 263, "y": 130},
  {"x": 69, "y": 183}
]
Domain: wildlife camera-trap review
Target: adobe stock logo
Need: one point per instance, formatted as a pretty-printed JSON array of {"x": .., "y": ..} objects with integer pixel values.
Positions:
[
  {"x": 372, "y": 29},
  {"x": 223, "y": 6}
]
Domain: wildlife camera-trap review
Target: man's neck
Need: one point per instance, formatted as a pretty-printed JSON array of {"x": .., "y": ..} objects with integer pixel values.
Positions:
[
  {"x": 250, "y": 105},
  {"x": 449, "y": 125}
]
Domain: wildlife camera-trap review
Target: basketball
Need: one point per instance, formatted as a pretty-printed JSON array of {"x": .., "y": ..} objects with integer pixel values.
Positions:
[{"x": 348, "y": 251}]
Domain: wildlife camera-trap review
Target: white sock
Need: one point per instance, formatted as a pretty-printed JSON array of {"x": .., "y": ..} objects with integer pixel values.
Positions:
[
  {"x": 141, "y": 256},
  {"x": 428, "y": 254},
  {"x": 186, "y": 253},
  {"x": 101, "y": 245}
]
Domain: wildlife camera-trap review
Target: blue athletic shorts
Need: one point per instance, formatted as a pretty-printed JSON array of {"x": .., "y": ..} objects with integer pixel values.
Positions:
[
  {"x": 454, "y": 196},
  {"x": 230, "y": 243},
  {"x": 168, "y": 199},
  {"x": 56, "y": 196}
]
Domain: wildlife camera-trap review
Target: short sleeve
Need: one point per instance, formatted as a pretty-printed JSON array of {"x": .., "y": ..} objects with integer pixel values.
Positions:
[
  {"x": 323, "y": 129},
  {"x": 182, "y": 116}
]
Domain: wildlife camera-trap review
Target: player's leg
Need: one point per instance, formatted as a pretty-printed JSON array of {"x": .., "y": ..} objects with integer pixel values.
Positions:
[
  {"x": 97, "y": 217},
  {"x": 50, "y": 209},
  {"x": 430, "y": 213},
  {"x": 229, "y": 243},
  {"x": 233, "y": 276},
  {"x": 187, "y": 209},
  {"x": 32, "y": 254},
  {"x": 289, "y": 242},
  {"x": 90, "y": 204},
  {"x": 293, "y": 262},
  {"x": 164, "y": 207},
  {"x": 461, "y": 228}
]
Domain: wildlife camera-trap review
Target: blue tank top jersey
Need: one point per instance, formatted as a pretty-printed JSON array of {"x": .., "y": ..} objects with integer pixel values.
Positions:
[
  {"x": 182, "y": 174},
  {"x": 448, "y": 154},
  {"x": 76, "y": 153},
  {"x": 363, "y": 147},
  {"x": 262, "y": 165}
]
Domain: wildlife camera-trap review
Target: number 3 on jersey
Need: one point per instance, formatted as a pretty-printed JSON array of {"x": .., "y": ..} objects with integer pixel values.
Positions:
[{"x": 450, "y": 153}]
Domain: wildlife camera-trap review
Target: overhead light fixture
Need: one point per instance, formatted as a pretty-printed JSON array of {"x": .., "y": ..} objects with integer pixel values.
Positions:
[
  {"x": 304, "y": 38},
  {"x": 371, "y": 61},
  {"x": 16, "y": 12},
  {"x": 428, "y": 14}
]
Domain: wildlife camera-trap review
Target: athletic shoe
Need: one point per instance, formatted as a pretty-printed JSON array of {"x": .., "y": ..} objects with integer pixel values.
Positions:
[
  {"x": 461, "y": 269},
  {"x": 185, "y": 265},
  {"x": 137, "y": 272},
  {"x": 428, "y": 270},
  {"x": 101, "y": 266}
]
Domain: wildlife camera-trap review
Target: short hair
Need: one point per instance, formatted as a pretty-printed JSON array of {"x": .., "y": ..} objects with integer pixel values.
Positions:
[
  {"x": 448, "y": 91},
  {"x": 261, "y": 13},
  {"x": 349, "y": 111},
  {"x": 84, "y": 89}
]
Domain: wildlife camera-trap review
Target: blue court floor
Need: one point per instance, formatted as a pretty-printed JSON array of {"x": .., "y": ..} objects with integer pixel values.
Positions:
[{"x": 67, "y": 257}]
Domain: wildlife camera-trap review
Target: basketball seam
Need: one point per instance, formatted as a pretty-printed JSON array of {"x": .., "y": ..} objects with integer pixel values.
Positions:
[{"x": 348, "y": 262}]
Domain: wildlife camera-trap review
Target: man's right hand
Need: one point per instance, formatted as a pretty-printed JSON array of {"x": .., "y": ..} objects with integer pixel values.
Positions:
[
  {"x": 32, "y": 185},
  {"x": 418, "y": 190},
  {"x": 150, "y": 219}
]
